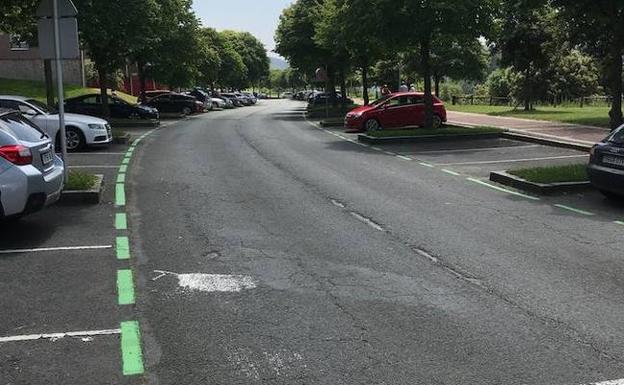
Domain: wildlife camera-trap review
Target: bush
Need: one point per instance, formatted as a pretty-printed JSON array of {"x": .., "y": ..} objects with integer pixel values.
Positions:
[{"x": 80, "y": 181}]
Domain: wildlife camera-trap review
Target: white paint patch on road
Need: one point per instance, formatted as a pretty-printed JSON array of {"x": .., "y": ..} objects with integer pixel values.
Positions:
[
  {"x": 67, "y": 248},
  {"x": 224, "y": 283},
  {"x": 367, "y": 221},
  {"x": 514, "y": 160},
  {"x": 338, "y": 204},
  {"x": 404, "y": 157},
  {"x": 86, "y": 336},
  {"x": 612, "y": 382}
]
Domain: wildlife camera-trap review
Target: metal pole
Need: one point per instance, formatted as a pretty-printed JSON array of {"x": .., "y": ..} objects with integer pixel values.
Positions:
[{"x": 59, "y": 84}]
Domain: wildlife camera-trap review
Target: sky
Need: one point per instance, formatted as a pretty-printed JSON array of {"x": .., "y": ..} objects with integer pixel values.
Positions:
[{"x": 260, "y": 17}]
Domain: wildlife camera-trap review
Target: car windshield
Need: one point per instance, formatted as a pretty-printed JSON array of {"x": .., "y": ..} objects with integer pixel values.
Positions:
[
  {"x": 617, "y": 136},
  {"x": 42, "y": 106},
  {"x": 381, "y": 100}
]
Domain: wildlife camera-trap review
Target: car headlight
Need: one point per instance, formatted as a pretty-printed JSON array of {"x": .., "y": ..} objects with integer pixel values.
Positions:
[{"x": 97, "y": 126}]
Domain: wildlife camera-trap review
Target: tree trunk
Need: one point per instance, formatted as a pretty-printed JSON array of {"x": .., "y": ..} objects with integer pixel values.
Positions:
[
  {"x": 365, "y": 85},
  {"x": 103, "y": 78},
  {"x": 49, "y": 84},
  {"x": 425, "y": 52},
  {"x": 343, "y": 87},
  {"x": 436, "y": 79},
  {"x": 142, "y": 81},
  {"x": 615, "y": 86}
]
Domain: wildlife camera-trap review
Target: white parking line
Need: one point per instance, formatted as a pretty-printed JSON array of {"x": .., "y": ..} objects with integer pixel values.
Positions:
[
  {"x": 57, "y": 336},
  {"x": 93, "y": 166},
  {"x": 512, "y": 160},
  {"x": 611, "y": 382},
  {"x": 95, "y": 153},
  {"x": 67, "y": 248},
  {"x": 476, "y": 149}
]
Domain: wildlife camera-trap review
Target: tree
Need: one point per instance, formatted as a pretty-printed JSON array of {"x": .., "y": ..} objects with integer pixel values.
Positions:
[
  {"x": 105, "y": 30},
  {"x": 18, "y": 17},
  {"x": 212, "y": 62},
  {"x": 598, "y": 27},
  {"x": 233, "y": 71},
  {"x": 418, "y": 24},
  {"x": 253, "y": 54}
]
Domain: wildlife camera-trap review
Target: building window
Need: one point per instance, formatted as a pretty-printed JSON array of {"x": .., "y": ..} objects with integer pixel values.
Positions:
[{"x": 17, "y": 43}]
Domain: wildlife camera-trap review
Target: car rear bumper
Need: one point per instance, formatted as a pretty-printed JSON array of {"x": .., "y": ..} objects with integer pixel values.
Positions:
[{"x": 606, "y": 178}]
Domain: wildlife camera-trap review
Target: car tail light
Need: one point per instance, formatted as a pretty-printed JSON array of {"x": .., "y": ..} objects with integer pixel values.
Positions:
[{"x": 17, "y": 154}]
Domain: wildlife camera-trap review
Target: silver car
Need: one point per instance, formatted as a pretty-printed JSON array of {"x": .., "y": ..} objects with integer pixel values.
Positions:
[{"x": 31, "y": 175}]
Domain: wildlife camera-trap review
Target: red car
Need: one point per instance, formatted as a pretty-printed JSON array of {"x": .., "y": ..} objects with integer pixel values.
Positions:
[{"x": 397, "y": 110}]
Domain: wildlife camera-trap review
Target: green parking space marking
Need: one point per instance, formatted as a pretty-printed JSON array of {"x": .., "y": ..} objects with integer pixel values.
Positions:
[
  {"x": 131, "y": 354},
  {"x": 123, "y": 248},
  {"x": 482, "y": 183},
  {"x": 121, "y": 221},
  {"x": 620, "y": 222},
  {"x": 426, "y": 164},
  {"x": 125, "y": 160},
  {"x": 120, "y": 194},
  {"x": 451, "y": 172},
  {"x": 125, "y": 287},
  {"x": 577, "y": 211},
  {"x": 123, "y": 168},
  {"x": 121, "y": 177}
]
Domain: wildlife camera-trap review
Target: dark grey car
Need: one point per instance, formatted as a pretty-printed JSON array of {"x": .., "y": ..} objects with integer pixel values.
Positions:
[{"x": 606, "y": 165}]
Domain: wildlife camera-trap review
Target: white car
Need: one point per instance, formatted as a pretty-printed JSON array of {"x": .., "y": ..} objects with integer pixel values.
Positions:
[
  {"x": 81, "y": 130},
  {"x": 219, "y": 103}
]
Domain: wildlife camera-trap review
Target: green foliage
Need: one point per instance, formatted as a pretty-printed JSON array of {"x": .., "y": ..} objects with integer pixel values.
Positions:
[
  {"x": 18, "y": 17},
  {"x": 80, "y": 181},
  {"x": 450, "y": 89},
  {"x": 554, "y": 174},
  {"x": 499, "y": 83}
]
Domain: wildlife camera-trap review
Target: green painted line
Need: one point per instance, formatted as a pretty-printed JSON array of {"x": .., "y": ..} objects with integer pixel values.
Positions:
[
  {"x": 121, "y": 177},
  {"x": 125, "y": 160},
  {"x": 482, "y": 183},
  {"x": 120, "y": 194},
  {"x": 131, "y": 352},
  {"x": 123, "y": 168},
  {"x": 620, "y": 222},
  {"x": 121, "y": 221},
  {"x": 577, "y": 211},
  {"x": 125, "y": 287},
  {"x": 451, "y": 172},
  {"x": 123, "y": 248},
  {"x": 426, "y": 164}
]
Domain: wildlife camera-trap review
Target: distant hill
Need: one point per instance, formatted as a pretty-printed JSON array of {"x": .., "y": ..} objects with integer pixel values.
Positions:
[{"x": 278, "y": 64}]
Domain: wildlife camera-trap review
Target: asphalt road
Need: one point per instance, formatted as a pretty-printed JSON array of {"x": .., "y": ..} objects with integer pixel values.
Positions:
[{"x": 268, "y": 251}]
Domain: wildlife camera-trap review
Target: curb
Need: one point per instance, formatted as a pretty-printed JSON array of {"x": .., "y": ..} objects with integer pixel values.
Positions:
[
  {"x": 507, "y": 179},
  {"x": 331, "y": 124},
  {"x": 547, "y": 141},
  {"x": 86, "y": 197},
  {"x": 426, "y": 139}
]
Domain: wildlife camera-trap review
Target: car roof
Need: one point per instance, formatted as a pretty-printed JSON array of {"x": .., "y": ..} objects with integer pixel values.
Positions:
[
  {"x": 14, "y": 97},
  {"x": 6, "y": 111},
  {"x": 408, "y": 94}
]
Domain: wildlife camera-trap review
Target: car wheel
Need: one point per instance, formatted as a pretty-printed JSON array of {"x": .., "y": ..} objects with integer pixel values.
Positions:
[
  {"x": 611, "y": 195},
  {"x": 437, "y": 121},
  {"x": 372, "y": 125},
  {"x": 134, "y": 116},
  {"x": 186, "y": 111},
  {"x": 75, "y": 139}
]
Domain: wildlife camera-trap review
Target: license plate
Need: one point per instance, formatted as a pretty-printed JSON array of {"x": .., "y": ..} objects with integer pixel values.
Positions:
[
  {"x": 46, "y": 157},
  {"x": 614, "y": 160}
]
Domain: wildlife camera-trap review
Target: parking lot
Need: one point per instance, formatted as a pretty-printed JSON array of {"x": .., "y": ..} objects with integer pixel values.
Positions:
[
  {"x": 475, "y": 159},
  {"x": 58, "y": 270}
]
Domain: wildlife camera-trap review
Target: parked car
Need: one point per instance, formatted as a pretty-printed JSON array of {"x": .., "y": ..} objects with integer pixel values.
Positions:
[
  {"x": 91, "y": 104},
  {"x": 252, "y": 98},
  {"x": 81, "y": 130},
  {"x": 31, "y": 174},
  {"x": 153, "y": 93},
  {"x": 174, "y": 103},
  {"x": 246, "y": 100},
  {"x": 229, "y": 101},
  {"x": 221, "y": 103},
  {"x": 238, "y": 102},
  {"x": 395, "y": 111},
  {"x": 606, "y": 165},
  {"x": 201, "y": 96},
  {"x": 321, "y": 99}
]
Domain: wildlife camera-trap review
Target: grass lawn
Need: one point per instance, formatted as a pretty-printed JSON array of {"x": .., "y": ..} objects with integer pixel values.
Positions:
[
  {"x": 80, "y": 181},
  {"x": 444, "y": 131},
  {"x": 555, "y": 174},
  {"x": 592, "y": 115},
  {"x": 36, "y": 90}
]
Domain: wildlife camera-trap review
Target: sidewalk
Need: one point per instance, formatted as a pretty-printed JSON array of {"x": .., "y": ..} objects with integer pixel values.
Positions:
[{"x": 552, "y": 133}]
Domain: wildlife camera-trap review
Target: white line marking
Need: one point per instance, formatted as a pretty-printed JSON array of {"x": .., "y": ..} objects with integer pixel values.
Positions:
[
  {"x": 338, "y": 204},
  {"x": 403, "y": 157},
  {"x": 389, "y": 153},
  {"x": 96, "y": 153},
  {"x": 224, "y": 283},
  {"x": 513, "y": 160},
  {"x": 94, "y": 166},
  {"x": 57, "y": 336},
  {"x": 611, "y": 382},
  {"x": 367, "y": 221},
  {"x": 18, "y": 251},
  {"x": 475, "y": 149},
  {"x": 376, "y": 148},
  {"x": 482, "y": 183},
  {"x": 450, "y": 172},
  {"x": 425, "y": 164}
]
